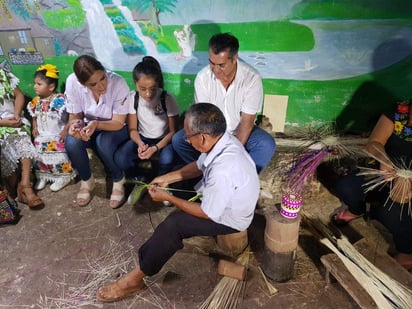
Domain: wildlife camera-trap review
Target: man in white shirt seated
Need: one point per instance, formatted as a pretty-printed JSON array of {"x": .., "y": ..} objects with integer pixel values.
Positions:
[
  {"x": 236, "y": 88},
  {"x": 229, "y": 189}
]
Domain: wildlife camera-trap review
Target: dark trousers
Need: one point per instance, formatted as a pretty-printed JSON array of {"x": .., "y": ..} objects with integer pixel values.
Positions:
[
  {"x": 394, "y": 216},
  {"x": 168, "y": 239}
]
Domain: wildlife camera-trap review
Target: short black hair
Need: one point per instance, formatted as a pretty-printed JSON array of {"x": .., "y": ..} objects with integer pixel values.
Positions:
[{"x": 223, "y": 41}]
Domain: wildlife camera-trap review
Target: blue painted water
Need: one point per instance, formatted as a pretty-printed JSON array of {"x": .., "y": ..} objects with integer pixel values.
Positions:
[{"x": 342, "y": 49}]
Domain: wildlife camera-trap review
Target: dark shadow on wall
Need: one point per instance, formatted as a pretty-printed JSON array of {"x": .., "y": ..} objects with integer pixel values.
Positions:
[
  {"x": 198, "y": 60},
  {"x": 386, "y": 87}
]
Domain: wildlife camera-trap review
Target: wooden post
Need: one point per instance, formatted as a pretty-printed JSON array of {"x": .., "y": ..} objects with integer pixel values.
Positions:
[
  {"x": 233, "y": 244},
  {"x": 281, "y": 240}
]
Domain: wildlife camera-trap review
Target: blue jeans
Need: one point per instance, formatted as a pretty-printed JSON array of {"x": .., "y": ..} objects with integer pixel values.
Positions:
[
  {"x": 104, "y": 144},
  {"x": 168, "y": 238},
  {"x": 261, "y": 147},
  {"x": 126, "y": 156}
]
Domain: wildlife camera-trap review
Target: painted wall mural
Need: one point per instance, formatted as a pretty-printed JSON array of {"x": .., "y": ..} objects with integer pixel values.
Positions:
[{"x": 341, "y": 61}]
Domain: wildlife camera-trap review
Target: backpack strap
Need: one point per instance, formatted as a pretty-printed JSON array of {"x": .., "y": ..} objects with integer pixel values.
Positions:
[
  {"x": 162, "y": 100},
  {"x": 136, "y": 100}
]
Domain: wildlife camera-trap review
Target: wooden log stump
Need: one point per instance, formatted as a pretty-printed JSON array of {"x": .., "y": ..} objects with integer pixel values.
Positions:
[
  {"x": 281, "y": 241},
  {"x": 233, "y": 244}
]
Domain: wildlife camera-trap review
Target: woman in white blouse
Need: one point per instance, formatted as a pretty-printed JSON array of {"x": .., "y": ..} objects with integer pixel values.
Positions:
[{"x": 97, "y": 105}]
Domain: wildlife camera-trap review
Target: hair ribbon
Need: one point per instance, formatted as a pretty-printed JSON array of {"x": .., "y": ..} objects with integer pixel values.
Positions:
[{"x": 51, "y": 70}]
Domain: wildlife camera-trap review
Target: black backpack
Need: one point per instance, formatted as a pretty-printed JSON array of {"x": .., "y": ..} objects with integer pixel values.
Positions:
[{"x": 162, "y": 100}]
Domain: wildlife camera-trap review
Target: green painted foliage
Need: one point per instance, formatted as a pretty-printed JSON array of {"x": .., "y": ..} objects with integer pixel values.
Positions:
[
  {"x": 163, "y": 47},
  {"x": 71, "y": 17},
  {"x": 162, "y": 42},
  {"x": 350, "y": 9},
  {"x": 272, "y": 36},
  {"x": 354, "y": 103},
  {"x": 130, "y": 42},
  {"x": 146, "y": 5}
]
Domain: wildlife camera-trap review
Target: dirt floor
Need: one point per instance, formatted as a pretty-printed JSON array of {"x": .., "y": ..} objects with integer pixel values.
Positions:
[{"x": 56, "y": 257}]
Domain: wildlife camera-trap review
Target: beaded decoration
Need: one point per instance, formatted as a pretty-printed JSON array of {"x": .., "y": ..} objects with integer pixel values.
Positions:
[{"x": 290, "y": 206}]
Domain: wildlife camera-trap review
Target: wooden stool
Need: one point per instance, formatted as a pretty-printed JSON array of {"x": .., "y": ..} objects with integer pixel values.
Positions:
[{"x": 233, "y": 244}]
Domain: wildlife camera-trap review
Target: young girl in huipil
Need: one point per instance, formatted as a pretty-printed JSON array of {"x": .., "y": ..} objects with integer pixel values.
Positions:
[{"x": 49, "y": 130}]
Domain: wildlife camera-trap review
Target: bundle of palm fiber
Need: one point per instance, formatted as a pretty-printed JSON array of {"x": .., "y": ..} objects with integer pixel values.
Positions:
[
  {"x": 398, "y": 176},
  {"x": 141, "y": 187},
  {"x": 228, "y": 293},
  {"x": 384, "y": 290},
  {"x": 318, "y": 145},
  {"x": 138, "y": 191}
]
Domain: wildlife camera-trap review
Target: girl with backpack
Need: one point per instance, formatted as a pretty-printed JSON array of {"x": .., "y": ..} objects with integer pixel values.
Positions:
[{"x": 152, "y": 121}]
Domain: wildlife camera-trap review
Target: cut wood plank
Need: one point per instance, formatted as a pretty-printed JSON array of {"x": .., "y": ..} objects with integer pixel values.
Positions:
[{"x": 335, "y": 267}]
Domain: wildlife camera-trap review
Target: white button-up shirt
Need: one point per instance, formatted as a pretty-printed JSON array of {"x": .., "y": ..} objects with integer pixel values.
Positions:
[
  {"x": 114, "y": 101},
  {"x": 245, "y": 93},
  {"x": 230, "y": 184}
]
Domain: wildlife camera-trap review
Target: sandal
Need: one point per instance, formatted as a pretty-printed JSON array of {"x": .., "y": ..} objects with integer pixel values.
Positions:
[
  {"x": 407, "y": 265},
  {"x": 84, "y": 196},
  {"x": 113, "y": 292},
  {"x": 342, "y": 218},
  {"x": 34, "y": 202},
  {"x": 404, "y": 261},
  {"x": 117, "y": 198}
]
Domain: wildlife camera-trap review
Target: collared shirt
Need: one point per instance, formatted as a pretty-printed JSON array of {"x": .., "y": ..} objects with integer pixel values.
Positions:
[
  {"x": 230, "y": 184},
  {"x": 153, "y": 121},
  {"x": 114, "y": 101},
  {"x": 245, "y": 93}
]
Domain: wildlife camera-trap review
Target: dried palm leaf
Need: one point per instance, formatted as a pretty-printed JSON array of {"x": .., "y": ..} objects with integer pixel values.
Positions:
[
  {"x": 317, "y": 146},
  {"x": 141, "y": 187},
  {"x": 398, "y": 176},
  {"x": 271, "y": 289},
  {"x": 384, "y": 290},
  {"x": 360, "y": 276},
  {"x": 399, "y": 295}
]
